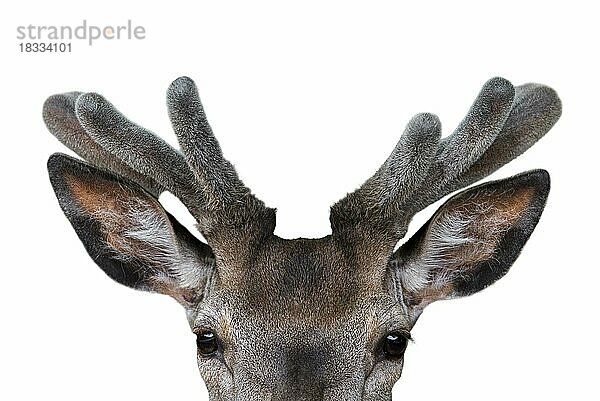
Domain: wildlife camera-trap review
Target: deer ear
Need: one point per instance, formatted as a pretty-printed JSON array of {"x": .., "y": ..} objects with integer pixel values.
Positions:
[
  {"x": 470, "y": 242},
  {"x": 127, "y": 232}
]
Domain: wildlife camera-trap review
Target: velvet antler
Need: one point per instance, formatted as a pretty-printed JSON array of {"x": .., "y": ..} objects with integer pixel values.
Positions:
[
  {"x": 200, "y": 177},
  {"x": 502, "y": 123}
]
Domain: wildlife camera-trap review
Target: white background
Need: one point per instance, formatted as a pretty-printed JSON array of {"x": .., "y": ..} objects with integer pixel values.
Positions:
[{"x": 307, "y": 100}]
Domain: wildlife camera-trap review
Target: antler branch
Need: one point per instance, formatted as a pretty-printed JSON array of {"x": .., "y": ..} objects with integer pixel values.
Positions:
[
  {"x": 395, "y": 180},
  {"x": 138, "y": 147},
  {"x": 534, "y": 110},
  {"x": 201, "y": 177},
  {"x": 61, "y": 120},
  {"x": 502, "y": 123},
  {"x": 224, "y": 192}
]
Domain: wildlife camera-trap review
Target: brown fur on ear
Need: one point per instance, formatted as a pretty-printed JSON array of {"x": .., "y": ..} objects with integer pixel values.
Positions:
[
  {"x": 99, "y": 194},
  {"x": 471, "y": 241},
  {"x": 467, "y": 232},
  {"x": 128, "y": 233},
  {"x": 134, "y": 225}
]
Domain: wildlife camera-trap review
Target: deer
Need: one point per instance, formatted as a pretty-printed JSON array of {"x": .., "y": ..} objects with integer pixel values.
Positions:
[{"x": 308, "y": 318}]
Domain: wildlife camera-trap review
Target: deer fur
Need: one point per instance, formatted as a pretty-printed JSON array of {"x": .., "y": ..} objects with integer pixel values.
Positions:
[{"x": 301, "y": 319}]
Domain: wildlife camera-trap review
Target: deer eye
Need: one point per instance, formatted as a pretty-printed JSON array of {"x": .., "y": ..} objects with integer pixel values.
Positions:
[
  {"x": 207, "y": 342},
  {"x": 394, "y": 345}
]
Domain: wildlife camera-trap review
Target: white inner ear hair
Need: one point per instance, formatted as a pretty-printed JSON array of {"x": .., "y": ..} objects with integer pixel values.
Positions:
[
  {"x": 459, "y": 237},
  {"x": 136, "y": 232}
]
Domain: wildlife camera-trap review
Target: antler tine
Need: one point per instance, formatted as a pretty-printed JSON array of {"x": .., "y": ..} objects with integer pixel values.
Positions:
[
  {"x": 138, "y": 148},
  {"x": 224, "y": 191},
  {"x": 400, "y": 173},
  {"x": 59, "y": 116},
  {"x": 467, "y": 144},
  {"x": 535, "y": 109},
  {"x": 501, "y": 124}
]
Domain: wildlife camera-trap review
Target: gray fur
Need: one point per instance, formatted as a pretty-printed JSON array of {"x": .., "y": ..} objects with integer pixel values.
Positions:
[
  {"x": 302, "y": 319},
  {"x": 216, "y": 175},
  {"x": 387, "y": 190},
  {"x": 465, "y": 146},
  {"x": 226, "y": 199},
  {"x": 137, "y": 147},
  {"x": 61, "y": 121},
  {"x": 534, "y": 110}
]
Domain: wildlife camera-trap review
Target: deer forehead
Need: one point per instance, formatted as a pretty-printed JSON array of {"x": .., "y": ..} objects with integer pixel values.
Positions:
[{"x": 301, "y": 278}]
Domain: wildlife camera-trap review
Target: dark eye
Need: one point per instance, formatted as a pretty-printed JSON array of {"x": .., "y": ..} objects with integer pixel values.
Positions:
[
  {"x": 394, "y": 345},
  {"x": 207, "y": 342}
]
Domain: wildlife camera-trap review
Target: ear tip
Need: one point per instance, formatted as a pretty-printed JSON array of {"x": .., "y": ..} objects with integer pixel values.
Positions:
[
  {"x": 59, "y": 164},
  {"x": 62, "y": 159},
  {"x": 538, "y": 179},
  {"x": 541, "y": 177},
  {"x": 55, "y": 162},
  {"x": 542, "y": 173}
]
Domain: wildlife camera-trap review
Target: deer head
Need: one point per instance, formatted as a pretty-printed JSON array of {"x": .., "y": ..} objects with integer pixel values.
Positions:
[{"x": 301, "y": 319}]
